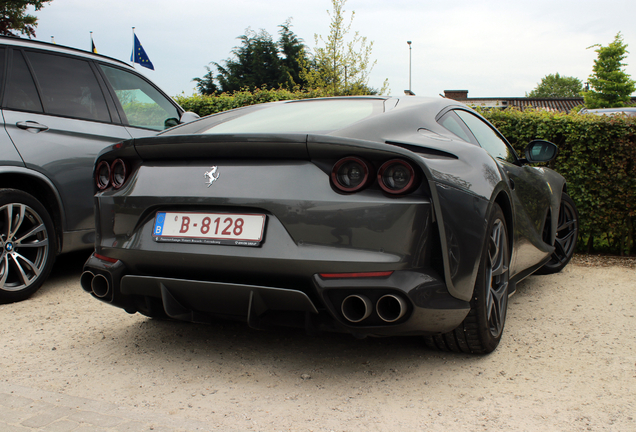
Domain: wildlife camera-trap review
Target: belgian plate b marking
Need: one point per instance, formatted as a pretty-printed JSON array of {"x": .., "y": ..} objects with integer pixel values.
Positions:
[{"x": 212, "y": 175}]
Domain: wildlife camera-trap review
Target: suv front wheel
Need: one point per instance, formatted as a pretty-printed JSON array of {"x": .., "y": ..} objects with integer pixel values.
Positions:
[{"x": 28, "y": 242}]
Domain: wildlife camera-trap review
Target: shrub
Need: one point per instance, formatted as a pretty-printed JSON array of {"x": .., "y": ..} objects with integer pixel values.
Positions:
[{"x": 597, "y": 156}]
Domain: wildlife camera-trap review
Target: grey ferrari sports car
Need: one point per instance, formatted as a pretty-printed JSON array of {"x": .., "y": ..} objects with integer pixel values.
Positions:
[{"x": 376, "y": 216}]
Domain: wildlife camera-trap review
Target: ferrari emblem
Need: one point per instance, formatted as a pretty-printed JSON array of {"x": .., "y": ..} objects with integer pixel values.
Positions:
[{"x": 212, "y": 175}]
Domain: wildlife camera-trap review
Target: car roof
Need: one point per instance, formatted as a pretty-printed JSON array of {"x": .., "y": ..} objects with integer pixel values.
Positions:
[{"x": 47, "y": 46}]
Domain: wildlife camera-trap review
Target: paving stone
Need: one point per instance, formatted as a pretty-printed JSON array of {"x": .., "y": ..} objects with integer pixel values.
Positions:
[
  {"x": 62, "y": 426},
  {"x": 95, "y": 419},
  {"x": 4, "y": 427},
  {"x": 14, "y": 415},
  {"x": 41, "y": 420},
  {"x": 14, "y": 401}
]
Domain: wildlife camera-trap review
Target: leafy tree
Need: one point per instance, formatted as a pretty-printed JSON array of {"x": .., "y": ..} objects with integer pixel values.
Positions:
[
  {"x": 259, "y": 62},
  {"x": 206, "y": 85},
  {"x": 255, "y": 63},
  {"x": 611, "y": 85},
  {"x": 557, "y": 86},
  {"x": 293, "y": 53},
  {"x": 340, "y": 65},
  {"x": 15, "y": 21}
]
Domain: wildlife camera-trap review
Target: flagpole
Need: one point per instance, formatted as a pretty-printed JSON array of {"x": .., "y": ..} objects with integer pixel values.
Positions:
[{"x": 132, "y": 60}]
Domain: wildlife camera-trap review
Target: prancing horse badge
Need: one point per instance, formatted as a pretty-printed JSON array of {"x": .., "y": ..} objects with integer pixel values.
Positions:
[{"x": 212, "y": 175}]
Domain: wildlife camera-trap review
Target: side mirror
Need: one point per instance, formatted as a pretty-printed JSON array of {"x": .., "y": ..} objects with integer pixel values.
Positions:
[
  {"x": 188, "y": 116},
  {"x": 541, "y": 151}
]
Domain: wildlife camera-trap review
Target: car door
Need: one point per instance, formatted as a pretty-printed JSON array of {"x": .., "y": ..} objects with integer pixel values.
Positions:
[
  {"x": 58, "y": 118},
  {"x": 529, "y": 190}
]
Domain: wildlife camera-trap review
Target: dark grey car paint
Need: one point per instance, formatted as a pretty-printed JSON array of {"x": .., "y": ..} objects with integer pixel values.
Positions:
[{"x": 311, "y": 229}]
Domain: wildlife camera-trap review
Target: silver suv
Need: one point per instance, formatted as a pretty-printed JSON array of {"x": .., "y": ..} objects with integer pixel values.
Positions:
[{"x": 60, "y": 107}]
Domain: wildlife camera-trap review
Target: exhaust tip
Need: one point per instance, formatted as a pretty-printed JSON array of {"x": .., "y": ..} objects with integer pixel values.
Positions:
[
  {"x": 390, "y": 308},
  {"x": 356, "y": 308},
  {"x": 100, "y": 286},
  {"x": 85, "y": 281}
]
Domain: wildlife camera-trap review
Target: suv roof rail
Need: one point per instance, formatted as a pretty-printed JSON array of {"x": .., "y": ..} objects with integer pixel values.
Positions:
[{"x": 49, "y": 45}]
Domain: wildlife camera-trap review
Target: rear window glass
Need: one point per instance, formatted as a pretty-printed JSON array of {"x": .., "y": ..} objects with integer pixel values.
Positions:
[
  {"x": 69, "y": 87},
  {"x": 298, "y": 117}
]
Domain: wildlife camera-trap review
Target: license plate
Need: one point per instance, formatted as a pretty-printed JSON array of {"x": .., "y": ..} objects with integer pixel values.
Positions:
[{"x": 209, "y": 228}]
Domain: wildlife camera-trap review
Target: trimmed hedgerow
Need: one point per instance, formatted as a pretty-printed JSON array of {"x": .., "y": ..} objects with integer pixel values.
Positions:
[
  {"x": 597, "y": 156},
  {"x": 206, "y": 105}
]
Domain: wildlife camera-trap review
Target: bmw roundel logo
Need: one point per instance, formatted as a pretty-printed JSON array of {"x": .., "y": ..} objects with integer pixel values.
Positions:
[{"x": 9, "y": 247}]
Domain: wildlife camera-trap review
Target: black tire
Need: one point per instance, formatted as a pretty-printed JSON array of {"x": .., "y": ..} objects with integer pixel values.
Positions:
[
  {"x": 28, "y": 243},
  {"x": 481, "y": 330},
  {"x": 566, "y": 236}
]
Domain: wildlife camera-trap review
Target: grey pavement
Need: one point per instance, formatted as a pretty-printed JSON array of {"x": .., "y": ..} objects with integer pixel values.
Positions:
[{"x": 24, "y": 409}]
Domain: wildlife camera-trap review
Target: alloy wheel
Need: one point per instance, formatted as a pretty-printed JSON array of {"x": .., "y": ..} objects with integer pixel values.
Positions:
[
  {"x": 25, "y": 246},
  {"x": 497, "y": 275}
]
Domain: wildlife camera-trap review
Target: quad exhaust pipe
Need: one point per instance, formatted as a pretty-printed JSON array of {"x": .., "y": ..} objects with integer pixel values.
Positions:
[
  {"x": 357, "y": 307},
  {"x": 390, "y": 308},
  {"x": 96, "y": 284}
]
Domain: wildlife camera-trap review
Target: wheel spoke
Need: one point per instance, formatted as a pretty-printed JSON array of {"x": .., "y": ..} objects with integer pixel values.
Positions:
[
  {"x": 36, "y": 243},
  {"x": 13, "y": 229},
  {"x": 566, "y": 224},
  {"x": 4, "y": 268},
  {"x": 36, "y": 271}
]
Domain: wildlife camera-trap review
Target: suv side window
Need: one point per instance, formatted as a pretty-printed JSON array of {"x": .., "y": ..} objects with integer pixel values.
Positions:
[
  {"x": 144, "y": 105},
  {"x": 68, "y": 87},
  {"x": 487, "y": 137},
  {"x": 21, "y": 93}
]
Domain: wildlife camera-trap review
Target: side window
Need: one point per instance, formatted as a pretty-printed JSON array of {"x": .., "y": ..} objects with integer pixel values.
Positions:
[
  {"x": 451, "y": 122},
  {"x": 143, "y": 104},
  {"x": 68, "y": 87},
  {"x": 21, "y": 93},
  {"x": 487, "y": 137}
]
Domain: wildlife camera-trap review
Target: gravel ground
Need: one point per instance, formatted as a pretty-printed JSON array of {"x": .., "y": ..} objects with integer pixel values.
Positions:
[{"x": 566, "y": 363}]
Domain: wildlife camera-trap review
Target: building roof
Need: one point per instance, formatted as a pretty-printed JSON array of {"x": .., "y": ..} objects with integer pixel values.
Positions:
[{"x": 549, "y": 104}]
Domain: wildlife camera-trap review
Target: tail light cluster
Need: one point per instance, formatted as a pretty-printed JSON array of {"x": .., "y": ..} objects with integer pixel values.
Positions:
[
  {"x": 113, "y": 174},
  {"x": 395, "y": 176}
]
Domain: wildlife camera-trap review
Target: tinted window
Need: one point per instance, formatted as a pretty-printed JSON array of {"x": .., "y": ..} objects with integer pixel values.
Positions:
[
  {"x": 455, "y": 125},
  {"x": 21, "y": 92},
  {"x": 487, "y": 137},
  {"x": 68, "y": 87},
  {"x": 143, "y": 104},
  {"x": 313, "y": 116}
]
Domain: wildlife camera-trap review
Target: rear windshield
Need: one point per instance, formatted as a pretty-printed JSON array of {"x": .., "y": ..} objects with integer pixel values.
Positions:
[{"x": 315, "y": 116}]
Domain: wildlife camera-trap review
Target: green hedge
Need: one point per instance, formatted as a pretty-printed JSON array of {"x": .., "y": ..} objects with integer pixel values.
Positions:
[
  {"x": 597, "y": 156},
  {"x": 206, "y": 105}
]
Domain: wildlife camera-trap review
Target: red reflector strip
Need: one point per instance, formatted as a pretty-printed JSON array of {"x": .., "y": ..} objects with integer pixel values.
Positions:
[
  {"x": 356, "y": 275},
  {"x": 105, "y": 258}
]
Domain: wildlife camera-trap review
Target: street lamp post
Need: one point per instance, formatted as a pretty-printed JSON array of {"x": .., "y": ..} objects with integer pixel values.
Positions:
[
  {"x": 409, "y": 91},
  {"x": 409, "y": 42}
]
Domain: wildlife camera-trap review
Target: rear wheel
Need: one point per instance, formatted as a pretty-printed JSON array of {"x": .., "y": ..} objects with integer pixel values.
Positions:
[
  {"x": 27, "y": 239},
  {"x": 566, "y": 236},
  {"x": 481, "y": 330}
]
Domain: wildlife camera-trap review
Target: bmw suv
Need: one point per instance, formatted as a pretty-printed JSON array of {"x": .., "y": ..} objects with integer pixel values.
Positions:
[{"x": 60, "y": 107}]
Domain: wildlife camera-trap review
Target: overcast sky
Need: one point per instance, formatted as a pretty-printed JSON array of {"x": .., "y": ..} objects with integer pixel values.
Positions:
[{"x": 491, "y": 48}]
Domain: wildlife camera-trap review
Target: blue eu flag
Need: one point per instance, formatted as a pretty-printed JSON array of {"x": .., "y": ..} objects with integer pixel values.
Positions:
[{"x": 139, "y": 56}]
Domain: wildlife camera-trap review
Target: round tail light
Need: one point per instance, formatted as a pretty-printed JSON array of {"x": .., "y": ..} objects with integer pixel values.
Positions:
[
  {"x": 118, "y": 172},
  {"x": 396, "y": 177},
  {"x": 351, "y": 174},
  {"x": 102, "y": 175}
]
